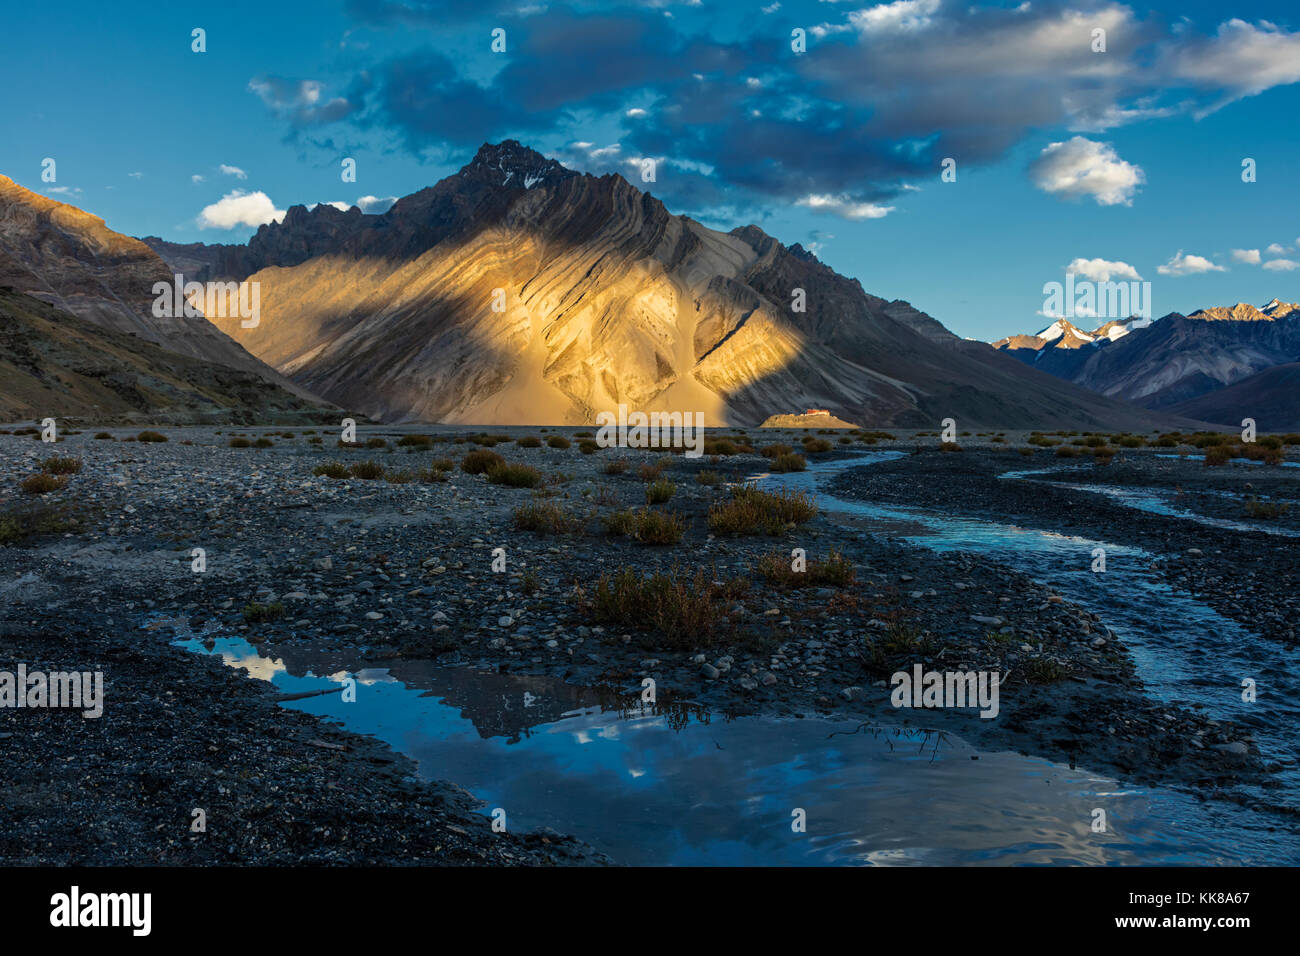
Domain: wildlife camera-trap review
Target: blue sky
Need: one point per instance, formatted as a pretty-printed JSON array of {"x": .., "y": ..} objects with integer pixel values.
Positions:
[{"x": 1124, "y": 162}]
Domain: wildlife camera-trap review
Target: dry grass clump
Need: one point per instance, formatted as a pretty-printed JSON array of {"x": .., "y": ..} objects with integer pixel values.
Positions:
[
  {"x": 546, "y": 517},
  {"x": 834, "y": 570},
  {"x": 751, "y": 511},
  {"x": 480, "y": 461},
  {"x": 687, "y": 610},
  {"x": 646, "y": 526}
]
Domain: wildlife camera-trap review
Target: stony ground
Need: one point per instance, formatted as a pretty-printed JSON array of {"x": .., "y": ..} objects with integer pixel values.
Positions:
[{"x": 381, "y": 569}]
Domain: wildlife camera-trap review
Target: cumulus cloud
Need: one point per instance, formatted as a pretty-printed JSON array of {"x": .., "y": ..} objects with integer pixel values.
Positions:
[
  {"x": 1081, "y": 167},
  {"x": 1240, "y": 59},
  {"x": 240, "y": 209},
  {"x": 1101, "y": 270},
  {"x": 1249, "y": 256},
  {"x": 1282, "y": 265},
  {"x": 845, "y": 207},
  {"x": 374, "y": 204},
  {"x": 897, "y": 17},
  {"x": 196, "y": 178},
  {"x": 232, "y": 171},
  {"x": 1186, "y": 265},
  {"x": 1275, "y": 249}
]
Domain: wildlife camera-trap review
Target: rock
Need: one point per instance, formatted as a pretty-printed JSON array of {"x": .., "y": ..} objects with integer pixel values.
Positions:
[
  {"x": 851, "y": 693},
  {"x": 767, "y": 678},
  {"x": 374, "y": 616},
  {"x": 983, "y": 619},
  {"x": 323, "y": 564},
  {"x": 748, "y": 683},
  {"x": 1237, "y": 748},
  {"x": 505, "y": 620},
  {"x": 709, "y": 671}
]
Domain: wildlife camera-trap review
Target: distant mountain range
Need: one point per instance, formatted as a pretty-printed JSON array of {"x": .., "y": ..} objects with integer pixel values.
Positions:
[
  {"x": 1219, "y": 365},
  {"x": 519, "y": 291}
]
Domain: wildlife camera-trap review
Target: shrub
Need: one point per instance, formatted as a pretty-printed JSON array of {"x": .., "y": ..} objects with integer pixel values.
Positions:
[
  {"x": 646, "y": 526},
  {"x": 834, "y": 570},
  {"x": 687, "y": 610},
  {"x": 1217, "y": 455},
  {"x": 776, "y": 451},
  {"x": 721, "y": 446},
  {"x": 442, "y": 464},
  {"x": 949, "y": 446},
  {"x": 657, "y": 492},
  {"x": 790, "y": 462},
  {"x": 399, "y": 476},
  {"x": 331, "y": 469},
  {"x": 1265, "y": 509},
  {"x": 616, "y": 466},
  {"x": 1044, "y": 670},
  {"x": 648, "y": 472},
  {"x": 558, "y": 441},
  {"x": 751, "y": 511},
  {"x": 815, "y": 446},
  {"x": 710, "y": 479},
  {"x": 103, "y": 435},
  {"x": 479, "y": 461},
  {"x": 588, "y": 446},
  {"x": 514, "y": 476},
  {"x": 546, "y": 517},
  {"x": 529, "y": 441},
  {"x": 367, "y": 470},
  {"x": 240, "y": 443},
  {"x": 255, "y": 613},
  {"x": 42, "y": 484},
  {"x": 376, "y": 443},
  {"x": 1067, "y": 451},
  {"x": 263, "y": 443},
  {"x": 151, "y": 437},
  {"x": 61, "y": 465},
  {"x": 416, "y": 441}
]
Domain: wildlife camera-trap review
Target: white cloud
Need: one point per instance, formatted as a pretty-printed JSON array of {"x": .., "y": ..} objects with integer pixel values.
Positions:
[
  {"x": 233, "y": 171},
  {"x": 1282, "y": 265},
  {"x": 845, "y": 207},
  {"x": 1082, "y": 167},
  {"x": 898, "y": 17},
  {"x": 635, "y": 111},
  {"x": 772, "y": 8},
  {"x": 1101, "y": 270},
  {"x": 136, "y": 175},
  {"x": 337, "y": 204},
  {"x": 1186, "y": 265},
  {"x": 240, "y": 209},
  {"x": 64, "y": 190},
  {"x": 1242, "y": 59},
  {"x": 1248, "y": 256},
  {"x": 196, "y": 178},
  {"x": 376, "y": 203},
  {"x": 1275, "y": 249}
]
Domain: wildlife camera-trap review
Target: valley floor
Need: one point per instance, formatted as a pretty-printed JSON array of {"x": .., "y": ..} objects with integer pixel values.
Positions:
[{"x": 334, "y": 575}]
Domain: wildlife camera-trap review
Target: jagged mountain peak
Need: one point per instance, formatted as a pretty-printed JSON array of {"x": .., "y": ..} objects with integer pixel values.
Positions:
[{"x": 511, "y": 163}]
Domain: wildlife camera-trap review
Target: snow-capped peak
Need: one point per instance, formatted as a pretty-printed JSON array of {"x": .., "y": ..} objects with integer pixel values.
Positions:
[{"x": 1061, "y": 328}]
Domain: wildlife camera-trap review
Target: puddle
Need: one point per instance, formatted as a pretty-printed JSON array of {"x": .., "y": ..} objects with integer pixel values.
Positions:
[{"x": 679, "y": 787}]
